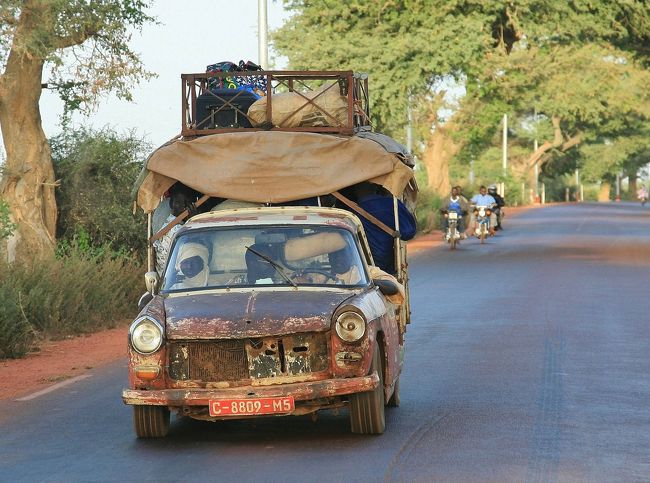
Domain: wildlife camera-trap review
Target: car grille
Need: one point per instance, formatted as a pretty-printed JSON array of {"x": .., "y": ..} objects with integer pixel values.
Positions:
[
  {"x": 222, "y": 360},
  {"x": 234, "y": 360}
]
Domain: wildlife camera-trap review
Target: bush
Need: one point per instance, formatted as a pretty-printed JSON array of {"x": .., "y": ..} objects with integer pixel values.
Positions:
[
  {"x": 70, "y": 295},
  {"x": 426, "y": 213},
  {"x": 16, "y": 334},
  {"x": 97, "y": 170}
]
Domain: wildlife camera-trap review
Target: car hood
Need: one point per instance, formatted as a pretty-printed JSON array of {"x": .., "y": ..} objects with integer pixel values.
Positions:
[{"x": 235, "y": 315}]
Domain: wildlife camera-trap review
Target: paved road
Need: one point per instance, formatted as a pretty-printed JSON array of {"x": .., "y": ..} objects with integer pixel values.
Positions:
[{"x": 528, "y": 359}]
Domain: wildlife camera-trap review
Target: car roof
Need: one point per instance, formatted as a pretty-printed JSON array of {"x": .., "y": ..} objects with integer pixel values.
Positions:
[{"x": 276, "y": 215}]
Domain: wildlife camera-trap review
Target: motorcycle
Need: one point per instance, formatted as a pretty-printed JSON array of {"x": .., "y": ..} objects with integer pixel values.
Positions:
[
  {"x": 453, "y": 235},
  {"x": 482, "y": 217}
]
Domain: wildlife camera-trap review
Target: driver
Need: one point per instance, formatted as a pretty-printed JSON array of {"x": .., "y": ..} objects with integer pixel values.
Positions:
[
  {"x": 484, "y": 199},
  {"x": 343, "y": 270},
  {"x": 259, "y": 270}
]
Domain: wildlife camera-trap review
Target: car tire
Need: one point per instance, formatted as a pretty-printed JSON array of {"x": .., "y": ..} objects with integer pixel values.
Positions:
[
  {"x": 394, "y": 400},
  {"x": 367, "y": 414},
  {"x": 151, "y": 421}
]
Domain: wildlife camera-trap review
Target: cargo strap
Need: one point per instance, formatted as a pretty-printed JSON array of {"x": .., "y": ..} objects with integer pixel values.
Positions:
[
  {"x": 366, "y": 215},
  {"x": 177, "y": 220}
]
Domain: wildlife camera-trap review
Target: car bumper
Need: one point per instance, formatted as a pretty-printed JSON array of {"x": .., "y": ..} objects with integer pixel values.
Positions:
[{"x": 302, "y": 391}]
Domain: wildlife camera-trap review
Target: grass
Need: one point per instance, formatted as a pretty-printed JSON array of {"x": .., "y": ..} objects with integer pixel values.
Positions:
[{"x": 70, "y": 295}]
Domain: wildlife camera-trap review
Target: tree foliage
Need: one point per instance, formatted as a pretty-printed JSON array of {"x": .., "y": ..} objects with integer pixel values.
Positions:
[
  {"x": 83, "y": 44},
  {"x": 567, "y": 73},
  {"x": 82, "y": 49},
  {"x": 96, "y": 170}
]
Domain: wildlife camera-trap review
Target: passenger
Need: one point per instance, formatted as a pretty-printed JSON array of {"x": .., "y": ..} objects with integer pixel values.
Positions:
[
  {"x": 379, "y": 203},
  {"x": 464, "y": 203},
  {"x": 378, "y": 273},
  {"x": 492, "y": 191},
  {"x": 192, "y": 265},
  {"x": 181, "y": 198}
]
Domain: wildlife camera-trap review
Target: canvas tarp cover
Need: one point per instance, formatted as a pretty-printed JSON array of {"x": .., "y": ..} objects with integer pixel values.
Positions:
[{"x": 270, "y": 166}]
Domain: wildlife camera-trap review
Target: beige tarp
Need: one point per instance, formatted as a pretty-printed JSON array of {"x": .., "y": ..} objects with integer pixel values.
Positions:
[{"x": 270, "y": 166}]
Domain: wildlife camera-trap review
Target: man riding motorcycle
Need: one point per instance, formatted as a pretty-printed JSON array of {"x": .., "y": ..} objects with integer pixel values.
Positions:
[
  {"x": 457, "y": 204},
  {"x": 484, "y": 199},
  {"x": 500, "y": 203}
]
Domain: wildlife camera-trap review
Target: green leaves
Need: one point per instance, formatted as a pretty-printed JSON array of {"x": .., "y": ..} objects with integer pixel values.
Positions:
[
  {"x": 582, "y": 62},
  {"x": 97, "y": 169}
]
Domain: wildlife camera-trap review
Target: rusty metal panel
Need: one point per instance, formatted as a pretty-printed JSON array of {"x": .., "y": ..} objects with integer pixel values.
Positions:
[
  {"x": 307, "y": 353},
  {"x": 237, "y": 360},
  {"x": 287, "y": 356}
]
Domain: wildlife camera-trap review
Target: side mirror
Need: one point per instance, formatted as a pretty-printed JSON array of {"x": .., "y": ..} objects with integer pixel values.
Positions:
[
  {"x": 144, "y": 300},
  {"x": 151, "y": 281},
  {"x": 387, "y": 287}
]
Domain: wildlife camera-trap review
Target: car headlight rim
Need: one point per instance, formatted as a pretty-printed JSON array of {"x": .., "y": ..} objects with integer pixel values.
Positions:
[
  {"x": 146, "y": 335},
  {"x": 350, "y": 326}
]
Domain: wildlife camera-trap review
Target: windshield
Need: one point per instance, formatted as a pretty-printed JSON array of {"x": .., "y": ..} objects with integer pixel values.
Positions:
[{"x": 265, "y": 255}]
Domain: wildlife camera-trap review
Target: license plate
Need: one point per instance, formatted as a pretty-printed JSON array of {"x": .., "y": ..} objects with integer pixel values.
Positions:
[
  {"x": 251, "y": 407},
  {"x": 453, "y": 215}
]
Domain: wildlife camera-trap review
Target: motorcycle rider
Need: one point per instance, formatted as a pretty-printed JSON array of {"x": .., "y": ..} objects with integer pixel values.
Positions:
[
  {"x": 492, "y": 191},
  {"x": 484, "y": 199},
  {"x": 642, "y": 195},
  {"x": 460, "y": 205}
]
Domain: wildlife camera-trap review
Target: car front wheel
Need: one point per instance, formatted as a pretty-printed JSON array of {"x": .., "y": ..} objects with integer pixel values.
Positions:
[
  {"x": 151, "y": 421},
  {"x": 367, "y": 408}
]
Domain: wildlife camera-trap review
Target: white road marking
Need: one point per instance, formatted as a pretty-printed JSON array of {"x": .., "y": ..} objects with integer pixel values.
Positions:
[{"x": 59, "y": 385}]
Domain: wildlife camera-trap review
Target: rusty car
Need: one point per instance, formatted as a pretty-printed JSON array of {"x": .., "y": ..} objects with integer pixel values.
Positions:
[
  {"x": 270, "y": 303},
  {"x": 254, "y": 317}
]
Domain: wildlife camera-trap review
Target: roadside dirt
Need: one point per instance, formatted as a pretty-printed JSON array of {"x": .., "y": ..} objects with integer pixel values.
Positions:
[{"x": 60, "y": 360}]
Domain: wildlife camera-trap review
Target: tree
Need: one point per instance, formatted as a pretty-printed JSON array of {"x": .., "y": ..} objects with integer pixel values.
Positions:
[
  {"x": 85, "y": 45},
  {"x": 505, "y": 53}
]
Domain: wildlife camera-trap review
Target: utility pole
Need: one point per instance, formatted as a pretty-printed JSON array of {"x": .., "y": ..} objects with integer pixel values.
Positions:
[
  {"x": 262, "y": 34},
  {"x": 505, "y": 153},
  {"x": 536, "y": 167},
  {"x": 409, "y": 126}
]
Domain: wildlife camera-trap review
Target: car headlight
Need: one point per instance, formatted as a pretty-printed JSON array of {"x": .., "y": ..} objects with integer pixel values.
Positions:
[
  {"x": 350, "y": 326},
  {"x": 146, "y": 335}
]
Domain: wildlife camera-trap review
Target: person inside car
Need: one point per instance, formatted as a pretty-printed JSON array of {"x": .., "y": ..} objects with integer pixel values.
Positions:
[{"x": 192, "y": 268}]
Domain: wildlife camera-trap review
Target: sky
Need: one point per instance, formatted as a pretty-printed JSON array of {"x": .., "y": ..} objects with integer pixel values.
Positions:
[{"x": 190, "y": 36}]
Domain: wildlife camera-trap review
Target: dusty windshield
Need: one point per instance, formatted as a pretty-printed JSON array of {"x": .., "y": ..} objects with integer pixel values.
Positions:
[{"x": 264, "y": 255}]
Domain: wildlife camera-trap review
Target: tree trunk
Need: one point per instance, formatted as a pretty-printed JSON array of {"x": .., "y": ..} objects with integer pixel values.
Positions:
[
  {"x": 631, "y": 186},
  {"x": 28, "y": 181},
  {"x": 440, "y": 150},
  {"x": 603, "y": 193}
]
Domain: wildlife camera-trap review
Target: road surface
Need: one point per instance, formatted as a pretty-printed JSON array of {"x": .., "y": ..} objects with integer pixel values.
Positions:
[{"x": 528, "y": 359}]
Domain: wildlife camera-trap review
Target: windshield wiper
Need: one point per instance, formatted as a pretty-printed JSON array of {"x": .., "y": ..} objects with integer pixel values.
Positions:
[{"x": 275, "y": 265}]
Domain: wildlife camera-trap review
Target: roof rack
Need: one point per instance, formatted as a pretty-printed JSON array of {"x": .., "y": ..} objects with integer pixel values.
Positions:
[{"x": 334, "y": 102}]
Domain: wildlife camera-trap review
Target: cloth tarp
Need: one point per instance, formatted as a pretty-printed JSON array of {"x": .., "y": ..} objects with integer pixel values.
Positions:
[{"x": 270, "y": 166}]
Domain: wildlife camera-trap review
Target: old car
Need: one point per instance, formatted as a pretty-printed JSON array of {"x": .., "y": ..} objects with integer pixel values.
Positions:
[
  {"x": 266, "y": 311},
  {"x": 269, "y": 302}
]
